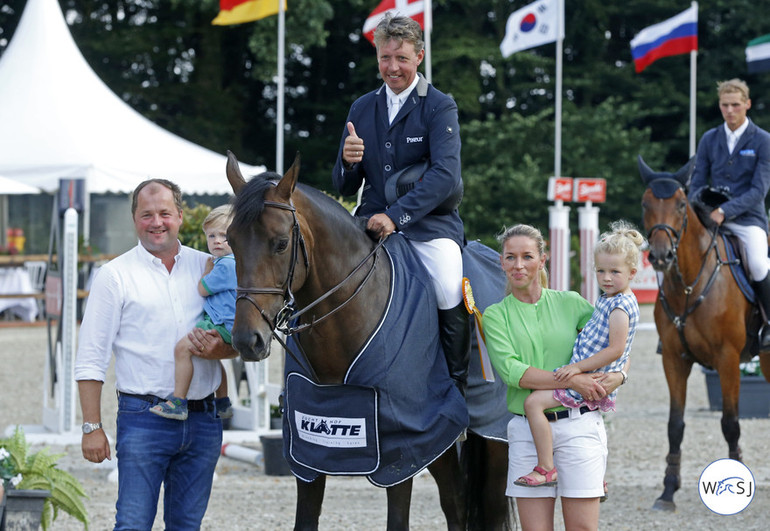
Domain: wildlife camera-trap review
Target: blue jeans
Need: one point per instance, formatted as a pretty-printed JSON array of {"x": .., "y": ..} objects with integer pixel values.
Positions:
[{"x": 152, "y": 450}]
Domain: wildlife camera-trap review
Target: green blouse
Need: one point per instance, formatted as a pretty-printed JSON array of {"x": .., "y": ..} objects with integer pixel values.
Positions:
[{"x": 541, "y": 335}]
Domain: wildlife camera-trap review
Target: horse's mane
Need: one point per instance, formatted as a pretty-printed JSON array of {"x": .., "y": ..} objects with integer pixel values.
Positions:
[{"x": 250, "y": 202}]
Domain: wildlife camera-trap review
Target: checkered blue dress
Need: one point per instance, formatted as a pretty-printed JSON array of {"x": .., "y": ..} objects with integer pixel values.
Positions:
[{"x": 596, "y": 336}]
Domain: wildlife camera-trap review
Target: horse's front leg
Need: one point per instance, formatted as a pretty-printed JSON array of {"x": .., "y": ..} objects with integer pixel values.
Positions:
[
  {"x": 399, "y": 501},
  {"x": 310, "y": 497},
  {"x": 677, "y": 370},
  {"x": 446, "y": 471},
  {"x": 730, "y": 382}
]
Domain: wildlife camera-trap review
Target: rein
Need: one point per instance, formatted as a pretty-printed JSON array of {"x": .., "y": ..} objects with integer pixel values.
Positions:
[
  {"x": 288, "y": 312},
  {"x": 680, "y": 320}
]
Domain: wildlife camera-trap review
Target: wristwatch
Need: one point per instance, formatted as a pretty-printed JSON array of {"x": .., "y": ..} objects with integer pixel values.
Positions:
[
  {"x": 625, "y": 376},
  {"x": 88, "y": 427}
]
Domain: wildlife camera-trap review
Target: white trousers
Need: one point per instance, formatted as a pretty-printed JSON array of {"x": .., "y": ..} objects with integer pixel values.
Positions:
[
  {"x": 444, "y": 261},
  {"x": 755, "y": 240}
]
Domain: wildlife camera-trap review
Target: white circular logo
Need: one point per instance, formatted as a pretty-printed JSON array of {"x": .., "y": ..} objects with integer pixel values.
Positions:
[{"x": 726, "y": 486}]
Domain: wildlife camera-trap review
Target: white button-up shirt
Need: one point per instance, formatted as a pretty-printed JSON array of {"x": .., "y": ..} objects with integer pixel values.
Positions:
[
  {"x": 734, "y": 136},
  {"x": 139, "y": 311},
  {"x": 396, "y": 101}
]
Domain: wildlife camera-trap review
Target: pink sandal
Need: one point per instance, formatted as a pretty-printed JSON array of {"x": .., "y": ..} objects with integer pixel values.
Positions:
[{"x": 528, "y": 481}]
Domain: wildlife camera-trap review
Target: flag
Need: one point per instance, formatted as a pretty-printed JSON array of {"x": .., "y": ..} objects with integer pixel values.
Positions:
[
  {"x": 409, "y": 8},
  {"x": 758, "y": 54},
  {"x": 538, "y": 23},
  {"x": 675, "y": 36},
  {"x": 239, "y": 11}
]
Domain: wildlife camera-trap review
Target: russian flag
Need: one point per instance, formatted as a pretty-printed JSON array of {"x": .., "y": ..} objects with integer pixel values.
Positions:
[{"x": 675, "y": 36}]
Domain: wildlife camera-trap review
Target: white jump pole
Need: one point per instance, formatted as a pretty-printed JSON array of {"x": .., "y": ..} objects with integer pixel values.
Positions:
[
  {"x": 559, "y": 234},
  {"x": 588, "y": 224}
]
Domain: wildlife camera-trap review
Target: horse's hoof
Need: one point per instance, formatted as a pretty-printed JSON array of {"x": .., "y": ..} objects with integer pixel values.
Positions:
[{"x": 664, "y": 505}]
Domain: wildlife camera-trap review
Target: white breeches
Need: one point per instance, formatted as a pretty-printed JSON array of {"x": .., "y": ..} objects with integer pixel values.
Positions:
[
  {"x": 444, "y": 261},
  {"x": 755, "y": 240}
]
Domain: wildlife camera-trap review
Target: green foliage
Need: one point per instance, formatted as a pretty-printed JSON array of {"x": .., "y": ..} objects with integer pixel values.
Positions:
[
  {"x": 39, "y": 471},
  {"x": 191, "y": 233},
  {"x": 216, "y": 86}
]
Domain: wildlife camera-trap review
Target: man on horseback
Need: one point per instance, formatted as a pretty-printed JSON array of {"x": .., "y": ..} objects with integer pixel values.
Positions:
[
  {"x": 735, "y": 157},
  {"x": 408, "y": 124}
]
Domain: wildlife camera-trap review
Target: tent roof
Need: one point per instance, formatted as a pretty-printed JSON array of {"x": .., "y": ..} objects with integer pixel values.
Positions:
[
  {"x": 59, "y": 120},
  {"x": 12, "y": 187}
]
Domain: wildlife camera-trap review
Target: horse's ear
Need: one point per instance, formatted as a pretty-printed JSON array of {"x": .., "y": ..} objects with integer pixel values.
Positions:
[
  {"x": 645, "y": 171},
  {"x": 685, "y": 172},
  {"x": 234, "y": 175},
  {"x": 286, "y": 185}
]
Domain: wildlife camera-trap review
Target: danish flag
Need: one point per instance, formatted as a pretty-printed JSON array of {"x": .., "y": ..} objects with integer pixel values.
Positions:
[{"x": 410, "y": 8}]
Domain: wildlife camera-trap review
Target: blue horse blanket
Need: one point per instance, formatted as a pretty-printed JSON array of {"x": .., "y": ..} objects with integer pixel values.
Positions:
[
  {"x": 405, "y": 410},
  {"x": 487, "y": 405}
]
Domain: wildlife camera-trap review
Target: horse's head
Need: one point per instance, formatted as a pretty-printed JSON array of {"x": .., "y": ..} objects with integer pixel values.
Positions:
[
  {"x": 268, "y": 247},
  {"x": 664, "y": 211}
]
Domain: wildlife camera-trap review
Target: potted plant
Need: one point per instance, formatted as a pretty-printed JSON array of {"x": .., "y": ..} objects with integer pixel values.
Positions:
[
  {"x": 27, "y": 475},
  {"x": 754, "y": 398}
]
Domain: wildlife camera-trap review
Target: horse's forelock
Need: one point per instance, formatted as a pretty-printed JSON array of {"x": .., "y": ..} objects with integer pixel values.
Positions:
[{"x": 249, "y": 203}]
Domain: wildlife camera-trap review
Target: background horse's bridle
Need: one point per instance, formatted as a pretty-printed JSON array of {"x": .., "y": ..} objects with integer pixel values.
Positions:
[
  {"x": 674, "y": 237},
  {"x": 288, "y": 312}
]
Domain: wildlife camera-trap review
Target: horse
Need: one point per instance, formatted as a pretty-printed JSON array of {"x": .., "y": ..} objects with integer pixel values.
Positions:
[
  {"x": 701, "y": 313},
  {"x": 306, "y": 267}
]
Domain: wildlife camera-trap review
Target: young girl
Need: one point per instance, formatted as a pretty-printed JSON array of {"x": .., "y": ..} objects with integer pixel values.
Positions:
[{"x": 602, "y": 346}]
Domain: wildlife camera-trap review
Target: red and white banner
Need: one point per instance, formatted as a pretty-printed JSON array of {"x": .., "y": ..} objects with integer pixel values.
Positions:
[
  {"x": 560, "y": 189},
  {"x": 645, "y": 282},
  {"x": 594, "y": 190},
  {"x": 410, "y": 8}
]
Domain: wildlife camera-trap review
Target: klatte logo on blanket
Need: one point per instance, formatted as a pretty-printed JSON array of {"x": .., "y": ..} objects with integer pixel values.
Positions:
[{"x": 339, "y": 432}]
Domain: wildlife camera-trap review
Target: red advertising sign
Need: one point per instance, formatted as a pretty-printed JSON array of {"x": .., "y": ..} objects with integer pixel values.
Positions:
[
  {"x": 560, "y": 189},
  {"x": 594, "y": 190}
]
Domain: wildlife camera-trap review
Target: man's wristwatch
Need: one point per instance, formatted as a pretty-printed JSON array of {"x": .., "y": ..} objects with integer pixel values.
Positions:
[
  {"x": 625, "y": 376},
  {"x": 88, "y": 427}
]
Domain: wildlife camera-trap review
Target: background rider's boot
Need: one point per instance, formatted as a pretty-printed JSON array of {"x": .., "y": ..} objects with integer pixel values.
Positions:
[
  {"x": 455, "y": 336},
  {"x": 762, "y": 289}
]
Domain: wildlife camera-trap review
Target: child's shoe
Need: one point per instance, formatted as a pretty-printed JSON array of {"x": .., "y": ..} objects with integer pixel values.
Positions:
[
  {"x": 173, "y": 408},
  {"x": 224, "y": 408}
]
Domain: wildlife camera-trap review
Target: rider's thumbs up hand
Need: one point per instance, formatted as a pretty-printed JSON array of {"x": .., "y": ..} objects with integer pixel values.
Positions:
[{"x": 353, "y": 150}]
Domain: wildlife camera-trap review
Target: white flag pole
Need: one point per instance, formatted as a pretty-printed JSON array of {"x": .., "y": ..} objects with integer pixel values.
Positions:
[
  {"x": 557, "y": 110},
  {"x": 281, "y": 83},
  {"x": 428, "y": 19},
  {"x": 693, "y": 95}
]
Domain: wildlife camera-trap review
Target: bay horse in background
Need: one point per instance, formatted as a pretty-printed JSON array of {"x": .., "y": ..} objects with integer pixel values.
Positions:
[
  {"x": 291, "y": 240},
  {"x": 701, "y": 313}
]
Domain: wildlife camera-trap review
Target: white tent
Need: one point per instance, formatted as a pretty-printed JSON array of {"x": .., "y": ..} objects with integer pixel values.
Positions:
[{"x": 59, "y": 120}]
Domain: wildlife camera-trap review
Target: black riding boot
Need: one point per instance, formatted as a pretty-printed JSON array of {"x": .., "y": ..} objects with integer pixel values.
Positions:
[
  {"x": 762, "y": 289},
  {"x": 455, "y": 335}
]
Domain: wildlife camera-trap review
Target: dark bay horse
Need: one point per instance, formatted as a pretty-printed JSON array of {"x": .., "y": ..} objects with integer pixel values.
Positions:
[
  {"x": 701, "y": 314},
  {"x": 302, "y": 259}
]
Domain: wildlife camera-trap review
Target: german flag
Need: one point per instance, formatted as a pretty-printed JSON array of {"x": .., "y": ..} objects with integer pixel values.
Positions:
[{"x": 240, "y": 11}]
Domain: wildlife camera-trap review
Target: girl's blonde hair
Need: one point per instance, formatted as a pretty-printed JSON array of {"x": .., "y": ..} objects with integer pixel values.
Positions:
[
  {"x": 221, "y": 216},
  {"x": 528, "y": 231},
  {"x": 622, "y": 238}
]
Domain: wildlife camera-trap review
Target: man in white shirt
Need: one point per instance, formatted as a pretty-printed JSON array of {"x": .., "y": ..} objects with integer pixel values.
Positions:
[
  {"x": 140, "y": 305},
  {"x": 735, "y": 157}
]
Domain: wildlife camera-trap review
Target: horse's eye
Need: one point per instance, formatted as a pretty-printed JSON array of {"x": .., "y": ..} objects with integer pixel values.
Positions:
[
  {"x": 682, "y": 206},
  {"x": 282, "y": 245}
]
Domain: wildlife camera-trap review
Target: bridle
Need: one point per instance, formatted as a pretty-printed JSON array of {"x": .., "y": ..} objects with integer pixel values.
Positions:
[
  {"x": 288, "y": 313},
  {"x": 674, "y": 237}
]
